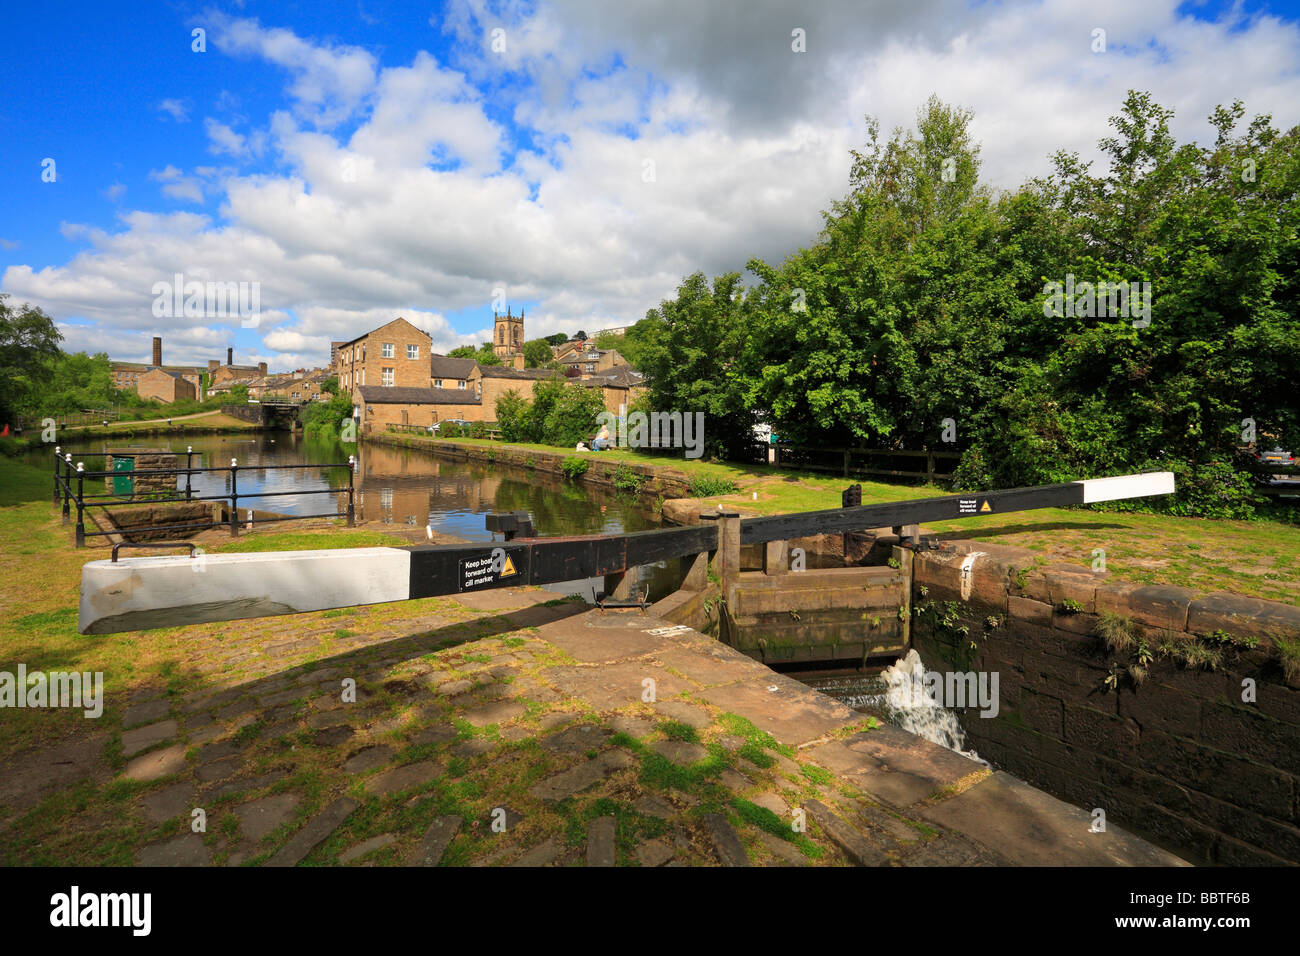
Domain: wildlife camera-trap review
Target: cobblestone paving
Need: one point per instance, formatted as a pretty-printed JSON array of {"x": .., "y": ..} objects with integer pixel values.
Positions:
[{"x": 505, "y": 735}]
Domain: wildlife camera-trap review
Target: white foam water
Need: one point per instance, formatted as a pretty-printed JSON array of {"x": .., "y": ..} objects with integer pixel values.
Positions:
[{"x": 907, "y": 703}]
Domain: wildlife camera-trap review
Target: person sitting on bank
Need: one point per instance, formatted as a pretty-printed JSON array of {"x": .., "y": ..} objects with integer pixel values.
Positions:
[{"x": 602, "y": 440}]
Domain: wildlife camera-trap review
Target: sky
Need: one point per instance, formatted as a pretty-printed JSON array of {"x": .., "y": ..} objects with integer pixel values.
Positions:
[{"x": 351, "y": 162}]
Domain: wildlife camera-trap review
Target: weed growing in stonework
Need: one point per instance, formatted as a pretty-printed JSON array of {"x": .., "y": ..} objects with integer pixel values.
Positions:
[{"x": 1070, "y": 606}]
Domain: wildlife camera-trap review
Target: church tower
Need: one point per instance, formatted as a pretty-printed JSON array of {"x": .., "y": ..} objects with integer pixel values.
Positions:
[{"x": 507, "y": 333}]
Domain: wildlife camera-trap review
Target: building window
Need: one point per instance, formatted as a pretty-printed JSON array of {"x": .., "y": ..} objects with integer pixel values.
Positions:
[
  {"x": 388, "y": 376},
  {"x": 387, "y": 350},
  {"x": 462, "y": 383},
  {"x": 412, "y": 351},
  {"x": 437, "y": 383}
]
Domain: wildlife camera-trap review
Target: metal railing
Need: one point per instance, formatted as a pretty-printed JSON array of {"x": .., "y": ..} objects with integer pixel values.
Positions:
[{"x": 65, "y": 475}]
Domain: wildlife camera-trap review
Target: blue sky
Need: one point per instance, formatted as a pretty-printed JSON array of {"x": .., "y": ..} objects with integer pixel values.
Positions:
[{"x": 360, "y": 161}]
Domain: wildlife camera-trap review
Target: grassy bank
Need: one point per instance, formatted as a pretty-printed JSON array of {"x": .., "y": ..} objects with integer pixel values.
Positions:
[
  {"x": 40, "y": 572},
  {"x": 208, "y": 423}
]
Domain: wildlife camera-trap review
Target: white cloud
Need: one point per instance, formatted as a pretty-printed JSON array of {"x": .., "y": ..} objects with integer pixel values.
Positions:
[
  {"x": 176, "y": 109},
  {"x": 420, "y": 203}
]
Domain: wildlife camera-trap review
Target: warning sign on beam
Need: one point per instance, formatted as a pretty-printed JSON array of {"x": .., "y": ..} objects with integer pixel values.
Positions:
[{"x": 490, "y": 569}]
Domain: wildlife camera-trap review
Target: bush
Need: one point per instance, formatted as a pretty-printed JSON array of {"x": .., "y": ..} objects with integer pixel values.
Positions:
[
  {"x": 325, "y": 419},
  {"x": 574, "y": 466},
  {"x": 628, "y": 481},
  {"x": 703, "y": 486},
  {"x": 559, "y": 414}
]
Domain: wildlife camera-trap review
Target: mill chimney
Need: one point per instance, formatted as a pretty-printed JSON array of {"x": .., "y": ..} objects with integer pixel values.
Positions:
[
  {"x": 230, "y": 356},
  {"x": 157, "y": 350}
]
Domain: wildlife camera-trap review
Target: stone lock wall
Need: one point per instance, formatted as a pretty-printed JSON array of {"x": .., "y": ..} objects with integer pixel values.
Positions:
[{"x": 1179, "y": 756}]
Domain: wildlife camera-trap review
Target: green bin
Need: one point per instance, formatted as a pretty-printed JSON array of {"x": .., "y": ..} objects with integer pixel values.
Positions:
[{"x": 124, "y": 485}]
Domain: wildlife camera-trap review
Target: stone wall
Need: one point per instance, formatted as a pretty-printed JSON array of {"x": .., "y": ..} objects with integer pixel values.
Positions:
[
  {"x": 149, "y": 459},
  {"x": 142, "y": 522},
  {"x": 1172, "y": 750}
]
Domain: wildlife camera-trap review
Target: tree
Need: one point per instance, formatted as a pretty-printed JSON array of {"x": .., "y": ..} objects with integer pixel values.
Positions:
[
  {"x": 330, "y": 385},
  {"x": 692, "y": 358},
  {"x": 463, "y": 351},
  {"x": 514, "y": 417},
  {"x": 559, "y": 338},
  {"x": 580, "y": 335},
  {"x": 485, "y": 355},
  {"x": 537, "y": 353},
  {"x": 29, "y": 344}
]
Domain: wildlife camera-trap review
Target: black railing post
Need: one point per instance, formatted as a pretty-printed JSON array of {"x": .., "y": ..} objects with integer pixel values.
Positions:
[
  {"x": 189, "y": 464},
  {"x": 352, "y": 514},
  {"x": 56, "y": 474},
  {"x": 81, "y": 523},
  {"x": 234, "y": 498},
  {"x": 67, "y": 485}
]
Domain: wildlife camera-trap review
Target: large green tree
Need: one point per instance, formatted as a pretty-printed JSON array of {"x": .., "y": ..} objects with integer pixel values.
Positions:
[{"x": 29, "y": 344}]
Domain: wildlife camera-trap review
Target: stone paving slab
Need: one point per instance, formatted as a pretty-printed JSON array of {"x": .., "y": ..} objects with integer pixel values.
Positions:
[
  {"x": 683, "y": 712},
  {"x": 403, "y": 778},
  {"x": 494, "y": 713},
  {"x": 600, "y": 841},
  {"x": 185, "y": 850},
  {"x": 654, "y": 853},
  {"x": 147, "y": 712},
  {"x": 854, "y": 845},
  {"x": 896, "y": 768},
  {"x": 435, "y": 841},
  {"x": 1033, "y": 828},
  {"x": 142, "y": 738},
  {"x": 730, "y": 850},
  {"x": 611, "y": 686},
  {"x": 593, "y": 643},
  {"x": 315, "y": 832},
  {"x": 259, "y": 818},
  {"x": 545, "y": 853},
  {"x": 789, "y": 711},
  {"x": 157, "y": 764},
  {"x": 365, "y": 847},
  {"x": 680, "y": 752},
  {"x": 169, "y": 802},
  {"x": 586, "y": 773}
]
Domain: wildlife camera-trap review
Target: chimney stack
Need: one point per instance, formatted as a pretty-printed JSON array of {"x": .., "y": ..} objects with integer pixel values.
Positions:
[
  {"x": 517, "y": 360},
  {"x": 230, "y": 356},
  {"x": 261, "y": 369},
  {"x": 157, "y": 350},
  {"x": 212, "y": 364}
]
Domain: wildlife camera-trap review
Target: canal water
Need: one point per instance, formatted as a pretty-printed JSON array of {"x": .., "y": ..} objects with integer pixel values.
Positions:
[{"x": 401, "y": 487}]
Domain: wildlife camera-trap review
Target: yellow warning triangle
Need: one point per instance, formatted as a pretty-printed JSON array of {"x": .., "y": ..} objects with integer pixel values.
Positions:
[
  {"x": 985, "y": 507},
  {"x": 509, "y": 568}
]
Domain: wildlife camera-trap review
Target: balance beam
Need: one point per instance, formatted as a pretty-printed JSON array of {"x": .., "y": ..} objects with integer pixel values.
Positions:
[{"x": 169, "y": 591}]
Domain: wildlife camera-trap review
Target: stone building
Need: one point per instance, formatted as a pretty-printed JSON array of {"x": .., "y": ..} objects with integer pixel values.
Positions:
[
  {"x": 162, "y": 385},
  {"x": 589, "y": 361},
  {"x": 128, "y": 374},
  {"x": 447, "y": 372},
  {"x": 490, "y": 382},
  {"x": 507, "y": 334},
  {"x": 224, "y": 377},
  {"x": 619, "y": 387},
  {"x": 395, "y": 355}
]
